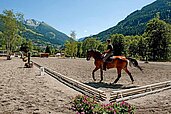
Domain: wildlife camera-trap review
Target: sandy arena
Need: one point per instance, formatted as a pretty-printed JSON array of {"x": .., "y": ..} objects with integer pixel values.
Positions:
[{"x": 24, "y": 91}]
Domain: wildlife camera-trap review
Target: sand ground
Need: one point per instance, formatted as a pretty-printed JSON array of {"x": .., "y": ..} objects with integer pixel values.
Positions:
[
  {"x": 24, "y": 91},
  {"x": 154, "y": 72}
]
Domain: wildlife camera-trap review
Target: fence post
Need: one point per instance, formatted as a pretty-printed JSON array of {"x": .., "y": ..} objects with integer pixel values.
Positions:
[{"x": 42, "y": 71}]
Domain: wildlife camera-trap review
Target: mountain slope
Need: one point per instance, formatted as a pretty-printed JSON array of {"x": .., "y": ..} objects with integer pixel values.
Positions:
[
  {"x": 135, "y": 23},
  {"x": 40, "y": 31}
]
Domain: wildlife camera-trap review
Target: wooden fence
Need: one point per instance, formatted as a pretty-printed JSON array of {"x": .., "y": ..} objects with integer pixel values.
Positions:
[
  {"x": 114, "y": 96},
  {"x": 76, "y": 85},
  {"x": 127, "y": 94}
]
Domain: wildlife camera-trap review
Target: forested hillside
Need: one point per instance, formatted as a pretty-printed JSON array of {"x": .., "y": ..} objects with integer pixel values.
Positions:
[
  {"x": 42, "y": 32},
  {"x": 135, "y": 23}
]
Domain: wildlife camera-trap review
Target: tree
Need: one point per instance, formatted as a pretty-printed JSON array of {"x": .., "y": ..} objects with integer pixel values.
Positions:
[
  {"x": 158, "y": 38},
  {"x": 101, "y": 47},
  {"x": 90, "y": 43},
  {"x": 142, "y": 47},
  {"x": 11, "y": 28},
  {"x": 118, "y": 43},
  {"x": 71, "y": 48},
  {"x": 73, "y": 35},
  {"x": 48, "y": 50},
  {"x": 26, "y": 46},
  {"x": 79, "y": 49},
  {"x": 1, "y": 40}
]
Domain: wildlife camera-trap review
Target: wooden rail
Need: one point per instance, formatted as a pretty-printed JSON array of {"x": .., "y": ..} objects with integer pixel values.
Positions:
[
  {"x": 76, "y": 85},
  {"x": 114, "y": 96},
  {"x": 132, "y": 93}
]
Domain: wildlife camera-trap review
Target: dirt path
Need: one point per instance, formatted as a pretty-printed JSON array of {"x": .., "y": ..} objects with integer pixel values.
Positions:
[{"x": 23, "y": 91}]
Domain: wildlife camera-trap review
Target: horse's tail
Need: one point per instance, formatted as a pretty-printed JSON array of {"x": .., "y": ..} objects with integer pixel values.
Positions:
[{"x": 134, "y": 62}]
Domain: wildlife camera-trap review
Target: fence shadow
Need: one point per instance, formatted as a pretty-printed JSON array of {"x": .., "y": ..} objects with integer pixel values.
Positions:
[{"x": 109, "y": 85}]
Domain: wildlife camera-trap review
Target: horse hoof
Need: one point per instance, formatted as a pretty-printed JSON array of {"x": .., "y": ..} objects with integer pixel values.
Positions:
[
  {"x": 113, "y": 83},
  {"x": 94, "y": 79}
]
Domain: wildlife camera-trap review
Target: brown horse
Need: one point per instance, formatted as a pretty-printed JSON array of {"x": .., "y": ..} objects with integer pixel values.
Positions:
[{"x": 119, "y": 62}]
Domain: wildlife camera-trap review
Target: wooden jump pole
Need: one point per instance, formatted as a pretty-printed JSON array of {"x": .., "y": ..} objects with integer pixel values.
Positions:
[
  {"x": 139, "y": 91},
  {"x": 115, "y": 96},
  {"x": 76, "y": 85}
]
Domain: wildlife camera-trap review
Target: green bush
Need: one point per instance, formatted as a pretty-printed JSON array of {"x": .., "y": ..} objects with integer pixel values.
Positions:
[{"x": 86, "y": 105}]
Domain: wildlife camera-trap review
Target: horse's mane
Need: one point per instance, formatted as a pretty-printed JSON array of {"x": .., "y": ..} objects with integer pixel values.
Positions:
[
  {"x": 98, "y": 53},
  {"x": 95, "y": 50}
]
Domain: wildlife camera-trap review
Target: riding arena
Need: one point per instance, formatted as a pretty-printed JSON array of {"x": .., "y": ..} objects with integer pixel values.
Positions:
[{"x": 63, "y": 78}]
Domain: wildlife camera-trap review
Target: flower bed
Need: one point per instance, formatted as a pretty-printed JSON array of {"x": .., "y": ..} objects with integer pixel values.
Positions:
[{"x": 86, "y": 105}]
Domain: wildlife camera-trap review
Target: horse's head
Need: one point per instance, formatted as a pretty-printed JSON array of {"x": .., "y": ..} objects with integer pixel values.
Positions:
[
  {"x": 93, "y": 53},
  {"x": 89, "y": 54}
]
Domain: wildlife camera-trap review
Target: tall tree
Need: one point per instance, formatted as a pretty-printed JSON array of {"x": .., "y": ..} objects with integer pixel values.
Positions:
[
  {"x": 79, "y": 49},
  {"x": 142, "y": 47},
  {"x": 71, "y": 48},
  {"x": 1, "y": 40},
  {"x": 26, "y": 46},
  {"x": 118, "y": 43},
  {"x": 73, "y": 35},
  {"x": 67, "y": 48},
  {"x": 90, "y": 43},
  {"x": 48, "y": 50},
  {"x": 11, "y": 28},
  {"x": 158, "y": 35}
]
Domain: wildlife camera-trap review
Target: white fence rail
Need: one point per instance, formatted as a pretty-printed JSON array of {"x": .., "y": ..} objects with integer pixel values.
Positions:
[
  {"x": 132, "y": 93},
  {"x": 76, "y": 85},
  {"x": 115, "y": 96}
]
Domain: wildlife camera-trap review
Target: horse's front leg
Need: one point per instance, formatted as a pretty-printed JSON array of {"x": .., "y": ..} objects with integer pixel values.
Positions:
[
  {"x": 101, "y": 73},
  {"x": 93, "y": 73}
]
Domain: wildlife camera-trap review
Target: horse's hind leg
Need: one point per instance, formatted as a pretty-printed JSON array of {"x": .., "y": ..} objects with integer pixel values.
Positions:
[
  {"x": 119, "y": 75},
  {"x": 93, "y": 73},
  {"x": 101, "y": 73},
  {"x": 126, "y": 70}
]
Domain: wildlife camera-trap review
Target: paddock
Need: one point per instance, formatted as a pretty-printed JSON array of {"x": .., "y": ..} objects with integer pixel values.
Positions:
[
  {"x": 23, "y": 90},
  {"x": 80, "y": 70}
]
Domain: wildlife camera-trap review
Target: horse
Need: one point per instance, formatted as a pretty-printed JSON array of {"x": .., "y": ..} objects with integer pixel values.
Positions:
[{"x": 118, "y": 62}]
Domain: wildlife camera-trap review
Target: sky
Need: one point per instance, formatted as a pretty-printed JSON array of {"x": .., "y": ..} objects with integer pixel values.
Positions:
[{"x": 85, "y": 17}]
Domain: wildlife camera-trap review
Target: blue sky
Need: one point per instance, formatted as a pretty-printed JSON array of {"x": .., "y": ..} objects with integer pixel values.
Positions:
[{"x": 85, "y": 17}]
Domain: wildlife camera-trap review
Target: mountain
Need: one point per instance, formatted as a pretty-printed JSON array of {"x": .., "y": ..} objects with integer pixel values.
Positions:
[
  {"x": 135, "y": 23},
  {"x": 81, "y": 39},
  {"x": 40, "y": 32}
]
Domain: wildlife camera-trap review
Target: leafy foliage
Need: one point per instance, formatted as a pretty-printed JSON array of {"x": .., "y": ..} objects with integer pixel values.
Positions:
[
  {"x": 91, "y": 43},
  {"x": 10, "y": 29},
  {"x": 48, "y": 50},
  {"x": 26, "y": 46},
  {"x": 158, "y": 35},
  {"x": 118, "y": 43},
  {"x": 154, "y": 44},
  {"x": 71, "y": 49}
]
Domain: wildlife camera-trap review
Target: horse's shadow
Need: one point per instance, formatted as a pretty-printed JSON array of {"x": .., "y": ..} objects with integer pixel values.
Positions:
[{"x": 109, "y": 85}]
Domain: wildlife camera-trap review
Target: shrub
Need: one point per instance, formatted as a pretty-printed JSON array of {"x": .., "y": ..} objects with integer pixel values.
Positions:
[{"x": 86, "y": 105}]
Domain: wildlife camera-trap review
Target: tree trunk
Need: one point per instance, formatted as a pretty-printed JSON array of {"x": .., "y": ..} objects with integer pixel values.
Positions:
[{"x": 8, "y": 50}]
